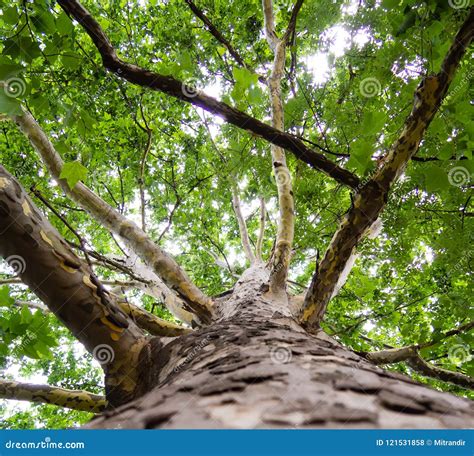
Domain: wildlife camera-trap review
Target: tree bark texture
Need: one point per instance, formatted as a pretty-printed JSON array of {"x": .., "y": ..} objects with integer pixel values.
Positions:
[{"x": 256, "y": 367}]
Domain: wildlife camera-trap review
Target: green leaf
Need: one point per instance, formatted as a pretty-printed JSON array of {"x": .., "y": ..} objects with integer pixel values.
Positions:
[
  {"x": 373, "y": 122},
  {"x": 436, "y": 178},
  {"x": 73, "y": 172},
  {"x": 8, "y": 104},
  {"x": 64, "y": 25},
  {"x": 5, "y": 299}
]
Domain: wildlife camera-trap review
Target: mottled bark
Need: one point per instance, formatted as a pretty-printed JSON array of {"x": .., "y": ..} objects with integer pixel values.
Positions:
[
  {"x": 286, "y": 223},
  {"x": 66, "y": 284},
  {"x": 257, "y": 368},
  {"x": 371, "y": 198},
  {"x": 45, "y": 394}
]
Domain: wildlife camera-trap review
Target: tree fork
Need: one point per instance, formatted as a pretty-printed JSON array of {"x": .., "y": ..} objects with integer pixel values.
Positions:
[
  {"x": 163, "y": 264},
  {"x": 372, "y": 197}
]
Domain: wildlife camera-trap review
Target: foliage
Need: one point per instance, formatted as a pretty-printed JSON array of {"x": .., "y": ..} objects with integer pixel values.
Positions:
[{"x": 408, "y": 286}]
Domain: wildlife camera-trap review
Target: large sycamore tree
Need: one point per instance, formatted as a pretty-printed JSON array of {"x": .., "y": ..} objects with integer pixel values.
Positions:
[{"x": 236, "y": 214}]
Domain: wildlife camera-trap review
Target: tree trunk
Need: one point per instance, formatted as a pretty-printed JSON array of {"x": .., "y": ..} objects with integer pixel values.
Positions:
[{"x": 255, "y": 367}]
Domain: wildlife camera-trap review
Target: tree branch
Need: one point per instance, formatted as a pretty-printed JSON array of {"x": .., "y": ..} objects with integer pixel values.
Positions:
[
  {"x": 45, "y": 394},
  {"x": 151, "y": 323},
  {"x": 286, "y": 224},
  {"x": 261, "y": 234},
  {"x": 141, "y": 178},
  {"x": 67, "y": 285},
  {"x": 418, "y": 364},
  {"x": 143, "y": 319},
  {"x": 215, "y": 33},
  {"x": 411, "y": 356},
  {"x": 177, "y": 89},
  {"x": 371, "y": 197},
  {"x": 137, "y": 240},
  {"x": 244, "y": 235}
]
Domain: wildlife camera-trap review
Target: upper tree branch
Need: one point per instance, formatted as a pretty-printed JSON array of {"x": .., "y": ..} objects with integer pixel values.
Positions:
[
  {"x": 244, "y": 234},
  {"x": 215, "y": 33},
  {"x": 177, "y": 89},
  {"x": 261, "y": 233},
  {"x": 280, "y": 261},
  {"x": 157, "y": 259},
  {"x": 83, "y": 401},
  {"x": 372, "y": 197},
  {"x": 291, "y": 29}
]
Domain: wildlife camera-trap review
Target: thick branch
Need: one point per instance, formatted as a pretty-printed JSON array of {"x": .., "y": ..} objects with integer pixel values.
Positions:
[
  {"x": 45, "y": 394},
  {"x": 152, "y": 285},
  {"x": 177, "y": 89},
  {"x": 244, "y": 235},
  {"x": 286, "y": 224},
  {"x": 418, "y": 364},
  {"x": 66, "y": 284},
  {"x": 143, "y": 319},
  {"x": 372, "y": 197},
  {"x": 151, "y": 323},
  {"x": 137, "y": 240},
  {"x": 411, "y": 356}
]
